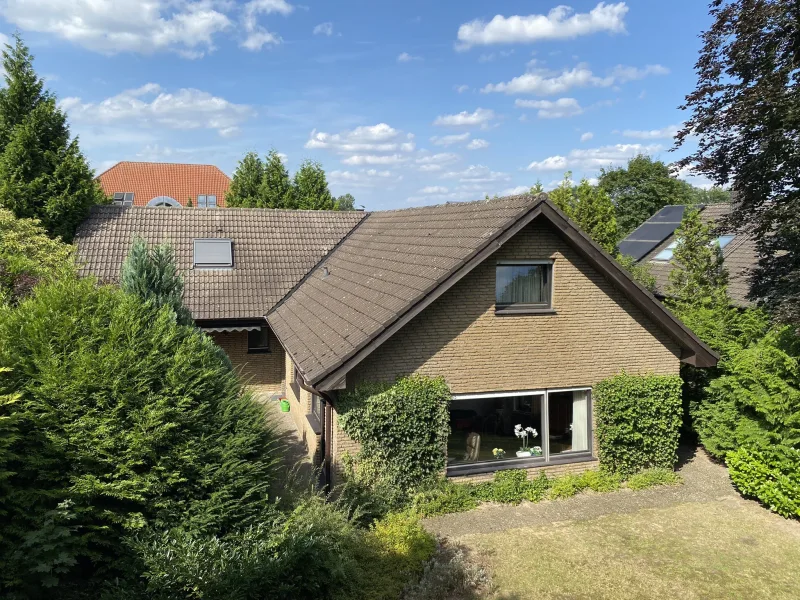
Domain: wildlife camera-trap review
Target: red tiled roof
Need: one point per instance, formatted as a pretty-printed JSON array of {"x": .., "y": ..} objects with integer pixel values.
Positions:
[{"x": 180, "y": 182}]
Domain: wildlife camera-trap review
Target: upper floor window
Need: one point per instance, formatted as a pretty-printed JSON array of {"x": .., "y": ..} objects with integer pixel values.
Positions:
[
  {"x": 123, "y": 199},
  {"x": 524, "y": 285},
  {"x": 206, "y": 201},
  {"x": 164, "y": 201},
  {"x": 258, "y": 341},
  {"x": 213, "y": 253}
]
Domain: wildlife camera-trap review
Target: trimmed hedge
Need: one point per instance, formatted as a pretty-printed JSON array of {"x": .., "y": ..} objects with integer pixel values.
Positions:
[
  {"x": 638, "y": 418},
  {"x": 771, "y": 477},
  {"x": 402, "y": 429}
]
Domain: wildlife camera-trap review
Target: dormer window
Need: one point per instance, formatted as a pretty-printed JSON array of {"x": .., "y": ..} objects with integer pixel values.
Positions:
[
  {"x": 207, "y": 201},
  {"x": 123, "y": 199},
  {"x": 213, "y": 253}
]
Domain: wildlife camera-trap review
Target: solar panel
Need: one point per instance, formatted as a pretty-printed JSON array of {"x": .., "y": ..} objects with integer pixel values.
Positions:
[
  {"x": 636, "y": 250},
  {"x": 652, "y": 232},
  {"x": 671, "y": 214}
]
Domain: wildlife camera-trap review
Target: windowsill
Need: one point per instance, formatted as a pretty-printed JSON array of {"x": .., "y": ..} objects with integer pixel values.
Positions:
[
  {"x": 315, "y": 424},
  {"x": 517, "y": 463},
  {"x": 259, "y": 351},
  {"x": 524, "y": 310}
]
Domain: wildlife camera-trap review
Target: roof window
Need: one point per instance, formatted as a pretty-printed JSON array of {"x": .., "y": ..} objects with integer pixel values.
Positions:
[
  {"x": 213, "y": 253},
  {"x": 207, "y": 201},
  {"x": 123, "y": 199}
]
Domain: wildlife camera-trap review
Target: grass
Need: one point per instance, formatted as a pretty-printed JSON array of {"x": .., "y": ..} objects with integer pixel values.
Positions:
[{"x": 713, "y": 550}]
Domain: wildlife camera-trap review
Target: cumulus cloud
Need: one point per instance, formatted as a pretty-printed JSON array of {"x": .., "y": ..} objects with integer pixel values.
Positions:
[
  {"x": 433, "y": 189},
  {"x": 149, "y": 105},
  {"x": 477, "y": 174},
  {"x": 462, "y": 88},
  {"x": 372, "y": 159},
  {"x": 560, "y": 23},
  {"x": 365, "y": 178},
  {"x": 585, "y": 137},
  {"x": 664, "y": 133},
  {"x": 449, "y": 140},
  {"x": 405, "y": 57},
  {"x": 593, "y": 158},
  {"x": 477, "y": 144},
  {"x": 324, "y": 29},
  {"x": 481, "y": 116},
  {"x": 541, "y": 82},
  {"x": 187, "y": 27},
  {"x": 435, "y": 162},
  {"x": 552, "y": 109},
  {"x": 372, "y": 139}
]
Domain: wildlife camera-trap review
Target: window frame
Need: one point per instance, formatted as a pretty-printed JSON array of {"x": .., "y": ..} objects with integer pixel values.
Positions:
[
  {"x": 259, "y": 349},
  {"x": 124, "y": 199},
  {"x": 516, "y": 308},
  {"x": 575, "y": 456},
  {"x": 164, "y": 202},
  {"x": 211, "y": 266}
]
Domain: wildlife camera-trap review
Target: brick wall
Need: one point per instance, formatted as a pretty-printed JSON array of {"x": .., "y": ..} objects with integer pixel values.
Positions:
[
  {"x": 550, "y": 470},
  {"x": 341, "y": 443},
  {"x": 299, "y": 407},
  {"x": 263, "y": 372}
]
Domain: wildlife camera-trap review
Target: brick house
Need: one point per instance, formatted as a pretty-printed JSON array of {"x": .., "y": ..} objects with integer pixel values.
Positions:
[
  {"x": 516, "y": 308},
  {"x": 165, "y": 184}
]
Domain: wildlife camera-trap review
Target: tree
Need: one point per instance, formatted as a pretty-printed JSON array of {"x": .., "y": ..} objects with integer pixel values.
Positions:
[
  {"x": 345, "y": 202},
  {"x": 641, "y": 189},
  {"x": 537, "y": 188},
  {"x": 43, "y": 174},
  {"x": 276, "y": 187},
  {"x": 246, "y": 183},
  {"x": 564, "y": 195},
  {"x": 311, "y": 188},
  {"x": 745, "y": 117},
  {"x": 151, "y": 275},
  {"x": 591, "y": 208}
]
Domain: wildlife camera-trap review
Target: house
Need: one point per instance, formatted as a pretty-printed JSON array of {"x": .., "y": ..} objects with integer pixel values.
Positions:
[
  {"x": 515, "y": 307},
  {"x": 653, "y": 242},
  {"x": 165, "y": 184}
]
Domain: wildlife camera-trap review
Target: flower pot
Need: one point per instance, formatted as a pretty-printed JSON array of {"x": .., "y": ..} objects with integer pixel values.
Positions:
[
  {"x": 523, "y": 453},
  {"x": 284, "y": 406}
]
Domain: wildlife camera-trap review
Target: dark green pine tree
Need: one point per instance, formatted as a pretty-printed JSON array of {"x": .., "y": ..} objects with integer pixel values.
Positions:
[
  {"x": 246, "y": 183},
  {"x": 151, "y": 274},
  {"x": 276, "y": 187},
  {"x": 311, "y": 188},
  {"x": 42, "y": 171}
]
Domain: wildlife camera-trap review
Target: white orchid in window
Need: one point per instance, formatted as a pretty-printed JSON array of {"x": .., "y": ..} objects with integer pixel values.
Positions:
[{"x": 523, "y": 433}]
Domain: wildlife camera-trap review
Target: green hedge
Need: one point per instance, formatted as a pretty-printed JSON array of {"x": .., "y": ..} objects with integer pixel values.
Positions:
[
  {"x": 772, "y": 477},
  {"x": 402, "y": 429},
  {"x": 638, "y": 420}
]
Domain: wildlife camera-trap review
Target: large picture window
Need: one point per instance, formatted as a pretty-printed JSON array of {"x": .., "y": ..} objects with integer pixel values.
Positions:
[
  {"x": 524, "y": 285},
  {"x": 503, "y": 430}
]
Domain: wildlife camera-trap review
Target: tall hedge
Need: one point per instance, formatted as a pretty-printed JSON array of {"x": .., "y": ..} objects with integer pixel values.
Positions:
[
  {"x": 638, "y": 418},
  {"x": 771, "y": 476},
  {"x": 402, "y": 429},
  {"x": 123, "y": 420}
]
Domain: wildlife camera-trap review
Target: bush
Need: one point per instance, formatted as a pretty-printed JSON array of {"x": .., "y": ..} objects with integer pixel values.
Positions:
[
  {"x": 653, "y": 477},
  {"x": 601, "y": 480},
  {"x": 402, "y": 429},
  {"x": 567, "y": 486},
  {"x": 128, "y": 421},
  {"x": 638, "y": 421},
  {"x": 773, "y": 477},
  {"x": 449, "y": 574},
  {"x": 444, "y": 498}
]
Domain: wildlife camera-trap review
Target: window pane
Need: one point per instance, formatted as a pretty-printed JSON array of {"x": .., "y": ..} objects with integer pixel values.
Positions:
[
  {"x": 568, "y": 420},
  {"x": 213, "y": 253},
  {"x": 258, "y": 339},
  {"x": 480, "y": 426},
  {"x": 212, "y": 201},
  {"x": 523, "y": 284},
  {"x": 666, "y": 253},
  {"x": 724, "y": 240}
]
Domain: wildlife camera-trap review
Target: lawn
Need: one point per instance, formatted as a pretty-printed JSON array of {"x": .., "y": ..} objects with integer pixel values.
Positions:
[{"x": 698, "y": 550}]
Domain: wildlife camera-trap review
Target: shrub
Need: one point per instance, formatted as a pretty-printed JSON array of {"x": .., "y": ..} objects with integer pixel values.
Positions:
[
  {"x": 601, "y": 480},
  {"x": 773, "y": 477},
  {"x": 402, "y": 429},
  {"x": 512, "y": 487},
  {"x": 444, "y": 498},
  {"x": 653, "y": 477},
  {"x": 449, "y": 574},
  {"x": 638, "y": 420},
  {"x": 127, "y": 419},
  {"x": 567, "y": 486}
]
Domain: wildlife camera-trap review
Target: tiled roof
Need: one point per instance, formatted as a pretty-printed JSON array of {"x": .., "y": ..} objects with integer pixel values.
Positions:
[
  {"x": 272, "y": 249},
  {"x": 739, "y": 255},
  {"x": 180, "y": 182}
]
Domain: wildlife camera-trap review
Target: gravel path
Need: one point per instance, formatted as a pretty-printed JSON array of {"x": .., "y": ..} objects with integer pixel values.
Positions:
[{"x": 704, "y": 481}]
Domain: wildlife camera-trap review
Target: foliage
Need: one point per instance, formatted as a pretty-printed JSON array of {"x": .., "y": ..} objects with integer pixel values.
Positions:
[
  {"x": 771, "y": 476},
  {"x": 639, "y": 271},
  {"x": 311, "y": 188},
  {"x": 150, "y": 274},
  {"x": 444, "y": 498},
  {"x": 276, "y": 187},
  {"x": 345, "y": 202},
  {"x": 638, "y": 419},
  {"x": 449, "y": 574},
  {"x": 747, "y": 98},
  {"x": 756, "y": 402},
  {"x": 601, "y": 480},
  {"x": 27, "y": 255},
  {"x": 591, "y": 208},
  {"x": 641, "y": 189},
  {"x": 567, "y": 486},
  {"x": 402, "y": 429},
  {"x": 712, "y": 195},
  {"x": 42, "y": 172},
  {"x": 653, "y": 477},
  {"x": 245, "y": 188},
  {"x": 132, "y": 419}
]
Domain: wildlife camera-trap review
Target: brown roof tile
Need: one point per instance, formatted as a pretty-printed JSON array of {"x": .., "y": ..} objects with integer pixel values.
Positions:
[{"x": 147, "y": 180}]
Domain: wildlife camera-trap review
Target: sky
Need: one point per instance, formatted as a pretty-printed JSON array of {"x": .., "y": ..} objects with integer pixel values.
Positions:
[{"x": 403, "y": 103}]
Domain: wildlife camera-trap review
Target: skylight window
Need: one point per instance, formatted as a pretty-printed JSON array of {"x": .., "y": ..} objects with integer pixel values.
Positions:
[
  {"x": 123, "y": 199},
  {"x": 207, "y": 201},
  {"x": 213, "y": 254},
  {"x": 724, "y": 240},
  {"x": 666, "y": 253}
]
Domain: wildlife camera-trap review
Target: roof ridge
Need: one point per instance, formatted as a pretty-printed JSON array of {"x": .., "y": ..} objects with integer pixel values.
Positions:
[{"x": 457, "y": 203}]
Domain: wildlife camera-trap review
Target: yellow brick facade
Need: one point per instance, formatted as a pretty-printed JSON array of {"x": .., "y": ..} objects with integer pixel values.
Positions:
[
  {"x": 262, "y": 372},
  {"x": 299, "y": 408}
]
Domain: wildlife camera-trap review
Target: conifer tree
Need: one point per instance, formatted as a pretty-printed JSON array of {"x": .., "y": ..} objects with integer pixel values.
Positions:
[
  {"x": 276, "y": 187},
  {"x": 246, "y": 182},
  {"x": 564, "y": 196},
  {"x": 311, "y": 188}
]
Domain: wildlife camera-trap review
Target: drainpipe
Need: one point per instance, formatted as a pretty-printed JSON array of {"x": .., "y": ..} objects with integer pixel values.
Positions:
[{"x": 325, "y": 440}]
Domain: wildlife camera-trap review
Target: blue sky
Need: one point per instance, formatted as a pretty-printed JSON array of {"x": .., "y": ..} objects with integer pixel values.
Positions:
[{"x": 404, "y": 103}]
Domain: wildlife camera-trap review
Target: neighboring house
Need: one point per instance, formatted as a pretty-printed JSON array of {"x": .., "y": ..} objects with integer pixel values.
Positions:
[
  {"x": 165, "y": 184},
  {"x": 517, "y": 309},
  {"x": 653, "y": 242}
]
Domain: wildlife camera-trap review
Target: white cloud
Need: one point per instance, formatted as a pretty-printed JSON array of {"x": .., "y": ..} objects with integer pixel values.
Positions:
[
  {"x": 585, "y": 137},
  {"x": 284, "y": 158},
  {"x": 477, "y": 144},
  {"x": 594, "y": 158},
  {"x": 560, "y": 23},
  {"x": 481, "y": 116},
  {"x": 433, "y": 189},
  {"x": 664, "y": 133},
  {"x": 449, "y": 140},
  {"x": 365, "y": 178},
  {"x": 405, "y": 57},
  {"x": 462, "y": 88},
  {"x": 380, "y": 138},
  {"x": 541, "y": 82},
  {"x": 324, "y": 29},
  {"x": 552, "y": 109},
  {"x": 372, "y": 159},
  {"x": 187, "y": 27},
  {"x": 491, "y": 56},
  {"x": 435, "y": 162},
  {"x": 515, "y": 191},
  {"x": 149, "y": 105},
  {"x": 477, "y": 174}
]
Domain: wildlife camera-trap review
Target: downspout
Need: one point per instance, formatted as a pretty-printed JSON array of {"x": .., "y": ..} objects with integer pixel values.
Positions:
[{"x": 326, "y": 427}]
